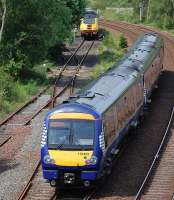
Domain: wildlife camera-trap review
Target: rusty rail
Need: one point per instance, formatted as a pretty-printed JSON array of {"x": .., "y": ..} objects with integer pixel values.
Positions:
[
  {"x": 156, "y": 157},
  {"x": 42, "y": 92},
  {"x": 5, "y": 140},
  {"x": 28, "y": 185},
  {"x": 72, "y": 80},
  {"x": 61, "y": 71},
  {"x": 24, "y": 106},
  {"x": 78, "y": 68}
]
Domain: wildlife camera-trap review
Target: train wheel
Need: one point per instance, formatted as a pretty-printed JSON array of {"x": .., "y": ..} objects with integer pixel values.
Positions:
[{"x": 108, "y": 166}]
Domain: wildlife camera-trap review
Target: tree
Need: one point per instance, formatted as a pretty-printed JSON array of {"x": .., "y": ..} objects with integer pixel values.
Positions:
[
  {"x": 77, "y": 8},
  {"x": 157, "y": 11},
  {"x": 160, "y": 13},
  {"x": 3, "y": 9},
  {"x": 123, "y": 42},
  {"x": 32, "y": 27}
]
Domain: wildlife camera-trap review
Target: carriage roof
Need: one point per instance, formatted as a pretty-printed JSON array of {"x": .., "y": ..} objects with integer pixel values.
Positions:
[{"x": 103, "y": 92}]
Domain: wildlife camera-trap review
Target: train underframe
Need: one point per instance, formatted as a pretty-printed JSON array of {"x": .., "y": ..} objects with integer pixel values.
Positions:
[
  {"x": 91, "y": 34},
  {"x": 74, "y": 178}
]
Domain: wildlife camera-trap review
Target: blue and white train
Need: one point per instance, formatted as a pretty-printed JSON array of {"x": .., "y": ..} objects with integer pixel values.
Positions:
[{"x": 82, "y": 136}]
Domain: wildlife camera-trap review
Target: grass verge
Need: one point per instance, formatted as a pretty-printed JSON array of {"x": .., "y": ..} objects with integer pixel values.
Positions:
[
  {"x": 109, "y": 51},
  {"x": 14, "y": 93}
]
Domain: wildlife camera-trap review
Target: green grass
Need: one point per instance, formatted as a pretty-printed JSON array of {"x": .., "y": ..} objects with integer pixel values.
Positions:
[
  {"x": 154, "y": 25},
  {"x": 120, "y": 16},
  {"x": 109, "y": 53},
  {"x": 14, "y": 93},
  {"x": 129, "y": 17}
]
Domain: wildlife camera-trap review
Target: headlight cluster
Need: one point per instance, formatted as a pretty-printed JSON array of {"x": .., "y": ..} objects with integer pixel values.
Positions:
[
  {"x": 49, "y": 160},
  {"x": 91, "y": 161}
]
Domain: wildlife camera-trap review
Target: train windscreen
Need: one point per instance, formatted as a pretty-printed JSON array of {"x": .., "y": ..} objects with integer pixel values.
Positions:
[
  {"x": 89, "y": 21},
  {"x": 90, "y": 14},
  {"x": 71, "y": 134}
]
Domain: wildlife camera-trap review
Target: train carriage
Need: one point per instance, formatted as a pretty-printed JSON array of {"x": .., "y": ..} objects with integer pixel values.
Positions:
[{"x": 82, "y": 136}]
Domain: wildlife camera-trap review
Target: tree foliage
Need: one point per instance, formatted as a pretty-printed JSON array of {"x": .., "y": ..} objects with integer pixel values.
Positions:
[
  {"x": 162, "y": 12},
  {"x": 158, "y": 12},
  {"x": 123, "y": 42},
  {"x": 77, "y": 8},
  {"x": 3, "y": 9},
  {"x": 32, "y": 27},
  {"x": 102, "y": 4}
]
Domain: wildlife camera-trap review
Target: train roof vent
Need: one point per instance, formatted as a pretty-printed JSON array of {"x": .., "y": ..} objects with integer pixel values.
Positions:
[
  {"x": 151, "y": 33},
  {"x": 121, "y": 75},
  {"x": 86, "y": 94},
  {"x": 66, "y": 101},
  {"x": 146, "y": 44},
  {"x": 134, "y": 60},
  {"x": 138, "y": 68},
  {"x": 142, "y": 50}
]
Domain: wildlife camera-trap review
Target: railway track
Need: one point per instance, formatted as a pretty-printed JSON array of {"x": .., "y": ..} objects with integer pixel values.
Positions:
[
  {"x": 44, "y": 190},
  {"x": 161, "y": 185},
  {"x": 10, "y": 119},
  {"x": 132, "y": 31},
  {"x": 133, "y": 164},
  {"x": 24, "y": 115}
]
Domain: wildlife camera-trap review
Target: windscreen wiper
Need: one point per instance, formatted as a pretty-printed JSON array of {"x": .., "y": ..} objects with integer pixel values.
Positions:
[{"x": 60, "y": 145}]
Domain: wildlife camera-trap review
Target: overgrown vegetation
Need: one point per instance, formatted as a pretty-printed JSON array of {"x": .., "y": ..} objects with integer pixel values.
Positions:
[
  {"x": 154, "y": 12},
  {"x": 110, "y": 51},
  {"x": 114, "y": 9},
  {"x": 30, "y": 29},
  {"x": 123, "y": 42}
]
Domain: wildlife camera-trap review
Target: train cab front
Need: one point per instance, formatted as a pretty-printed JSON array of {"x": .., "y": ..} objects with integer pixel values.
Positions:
[{"x": 70, "y": 152}]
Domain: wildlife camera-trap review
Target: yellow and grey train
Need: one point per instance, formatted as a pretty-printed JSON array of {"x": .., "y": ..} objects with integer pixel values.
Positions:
[
  {"x": 89, "y": 24},
  {"x": 82, "y": 136}
]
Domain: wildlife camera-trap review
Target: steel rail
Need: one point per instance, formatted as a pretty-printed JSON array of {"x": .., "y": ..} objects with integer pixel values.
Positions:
[
  {"x": 173, "y": 197},
  {"x": 24, "y": 106},
  {"x": 5, "y": 140},
  {"x": 78, "y": 68},
  {"x": 90, "y": 195},
  {"x": 52, "y": 99},
  {"x": 62, "y": 70},
  {"x": 139, "y": 28},
  {"x": 71, "y": 81},
  {"x": 132, "y": 33},
  {"x": 42, "y": 92},
  {"x": 29, "y": 183},
  {"x": 139, "y": 193}
]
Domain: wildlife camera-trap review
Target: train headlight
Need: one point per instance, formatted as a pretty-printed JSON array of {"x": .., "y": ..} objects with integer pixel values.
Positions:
[
  {"x": 92, "y": 161},
  {"x": 48, "y": 159}
]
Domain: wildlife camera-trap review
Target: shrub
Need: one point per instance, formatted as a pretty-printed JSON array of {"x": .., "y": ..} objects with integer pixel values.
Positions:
[{"x": 123, "y": 42}]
